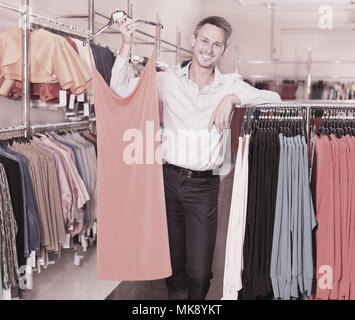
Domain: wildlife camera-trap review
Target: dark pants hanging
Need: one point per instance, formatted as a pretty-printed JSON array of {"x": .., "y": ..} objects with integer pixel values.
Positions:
[{"x": 192, "y": 209}]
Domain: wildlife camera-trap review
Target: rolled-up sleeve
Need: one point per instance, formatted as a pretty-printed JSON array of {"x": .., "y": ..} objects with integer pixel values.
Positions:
[
  {"x": 121, "y": 82},
  {"x": 249, "y": 95}
]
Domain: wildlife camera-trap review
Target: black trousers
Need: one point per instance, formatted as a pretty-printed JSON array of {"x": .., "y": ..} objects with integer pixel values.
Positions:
[{"x": 192, "y": 210}]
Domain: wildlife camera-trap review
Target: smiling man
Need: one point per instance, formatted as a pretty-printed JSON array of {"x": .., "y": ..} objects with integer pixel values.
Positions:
[{"x": 197, "y": 100}]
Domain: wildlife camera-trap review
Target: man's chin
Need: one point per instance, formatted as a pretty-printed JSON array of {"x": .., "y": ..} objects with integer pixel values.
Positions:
[{"x": 207, "y": 65}]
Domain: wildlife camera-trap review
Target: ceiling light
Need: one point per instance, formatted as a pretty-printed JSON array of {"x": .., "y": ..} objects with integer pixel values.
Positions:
[
  {"x": 241, "y": 3},
  {"x": 270, "y": 5}
]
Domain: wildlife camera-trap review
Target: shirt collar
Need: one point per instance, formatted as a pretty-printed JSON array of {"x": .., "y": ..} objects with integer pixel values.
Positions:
[{"x": 218, "y": 77}]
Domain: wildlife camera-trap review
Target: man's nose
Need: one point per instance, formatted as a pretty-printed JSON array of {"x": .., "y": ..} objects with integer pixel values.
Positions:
[{"x": 210, "y": 48}]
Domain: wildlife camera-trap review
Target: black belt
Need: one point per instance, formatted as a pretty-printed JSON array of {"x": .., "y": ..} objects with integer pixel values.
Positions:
[{"x": 190, "y": 173}]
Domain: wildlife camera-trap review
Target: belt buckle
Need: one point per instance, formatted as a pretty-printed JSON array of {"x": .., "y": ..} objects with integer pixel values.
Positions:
[{"x": 186, "y": 172}]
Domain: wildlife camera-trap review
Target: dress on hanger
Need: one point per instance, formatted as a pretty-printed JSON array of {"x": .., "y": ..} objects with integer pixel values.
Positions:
[{"x": 132, "y": 232}]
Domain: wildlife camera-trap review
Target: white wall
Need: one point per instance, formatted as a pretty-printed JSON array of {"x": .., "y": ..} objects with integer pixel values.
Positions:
[{"x": 252, "y": 35}]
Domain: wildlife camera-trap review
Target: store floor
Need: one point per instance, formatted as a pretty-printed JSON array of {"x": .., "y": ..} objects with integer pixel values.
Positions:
[
  {"x": 156, "y": 290},
  {"x": 64, "y": 281}
]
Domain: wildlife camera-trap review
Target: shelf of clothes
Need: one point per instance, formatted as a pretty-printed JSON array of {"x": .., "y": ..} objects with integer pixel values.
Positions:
[
  {"x": 56, "y": 63},
  {"x": 47, "y": 196},
  {"x": 293, "y": 241},
  {"x": 269, "y": 241},
  {"x": 297, "y": 90},
  {"x": 333, "y": 182}
]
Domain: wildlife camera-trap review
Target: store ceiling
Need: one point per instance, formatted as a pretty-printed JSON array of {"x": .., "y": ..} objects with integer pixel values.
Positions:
[{"x": 297, "y": 3}]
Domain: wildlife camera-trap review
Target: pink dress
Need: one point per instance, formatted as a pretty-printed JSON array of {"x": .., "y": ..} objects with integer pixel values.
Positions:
[{"x": 132, "y": 229}]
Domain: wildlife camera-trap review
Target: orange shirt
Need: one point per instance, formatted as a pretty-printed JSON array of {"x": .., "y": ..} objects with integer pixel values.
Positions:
[{"x": 52, "y": 59}]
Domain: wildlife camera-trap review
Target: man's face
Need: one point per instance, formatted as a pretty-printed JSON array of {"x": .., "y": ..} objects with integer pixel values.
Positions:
[{"x": 208, "y": 46}]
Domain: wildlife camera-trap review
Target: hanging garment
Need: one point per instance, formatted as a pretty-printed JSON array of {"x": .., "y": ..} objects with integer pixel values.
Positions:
[
  {"x": 333, "y": 183},
  {"x": 262, "y": 184},
  {"x": 43, "y": 173},
  {"x": 12, "y": 169},
  {"x": 132, "y": 241},
  {"x": 52, "y": 59},
  {"x": 232, "y": 282},
  {"x": 8, "y": 230},
  {"x": 41, "y": 91},
  {"x": 291, "y": 269},
  {"x": 104, "y": 60},
  {"x": 31, "y": 233}
]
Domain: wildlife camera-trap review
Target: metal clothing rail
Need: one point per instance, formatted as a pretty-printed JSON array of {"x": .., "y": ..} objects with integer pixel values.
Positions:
[
  {"x": 115, "y": 16},
  {"x": 12, "y": 129},
  {"x": 62, "y": 125},
  {"x": 92, "y": 13},
  {"x": 308, "y": 106},
  {"x": 25, "y": 17},
  {"x": 50, "y": 126},
  {"x": 54, "y": 25},
  {"x": 138, "y": 31},
  {"x": 12, "y": 8},
  {"x": 316, "y": 104}
]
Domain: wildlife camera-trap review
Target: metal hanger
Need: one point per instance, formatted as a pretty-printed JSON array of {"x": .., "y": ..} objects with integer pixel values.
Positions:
[{"x": 114, "y": 17}]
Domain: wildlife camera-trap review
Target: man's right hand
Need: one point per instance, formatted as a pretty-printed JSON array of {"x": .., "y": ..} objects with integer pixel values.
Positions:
[{"x": 126, "y": 27}]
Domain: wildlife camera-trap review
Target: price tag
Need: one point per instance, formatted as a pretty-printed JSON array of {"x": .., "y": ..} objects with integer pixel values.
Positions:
[
  {"x": 76, "y": 260},
  {"x": 33, "y": 259},
  {"x": 94, "y": 228},
  {"x": 86, "y": 110},
  {"x": 84, "y": 242},
  {"x": 66, "y": 245},
  {"x": 62, "y": 97},
  {"x": 71, "y": 101},
  {"x": 29, "y": 278},
  {"x": 38, "y": 266},
  {"x": 81, "y": 97}
]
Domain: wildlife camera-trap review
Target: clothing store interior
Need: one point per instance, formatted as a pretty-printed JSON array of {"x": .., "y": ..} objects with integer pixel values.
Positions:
[{"x": 75, "y": 225}]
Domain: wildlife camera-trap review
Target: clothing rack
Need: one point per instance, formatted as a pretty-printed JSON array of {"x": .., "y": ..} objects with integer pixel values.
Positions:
[
  {"x": 57, "y": 26},
  {"x": 24, "y": 11},
  {"x": 85, "y": 124},
  {"x": 114, "y": 17},
  {"x": 176, "y": 48},
  {"x": 307, "y": 106},
  {"x": 30, "y": 20},
  {"x": 309, "y": 77},
  {"x": 12, "y": 129}
]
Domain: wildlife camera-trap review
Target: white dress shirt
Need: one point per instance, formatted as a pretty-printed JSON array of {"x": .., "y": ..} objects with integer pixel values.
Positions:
[{"x": 186, "y": 141}]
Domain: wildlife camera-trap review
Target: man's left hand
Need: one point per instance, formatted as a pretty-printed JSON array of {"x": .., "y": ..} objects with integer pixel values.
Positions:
[{"x": 220, "y": 117}]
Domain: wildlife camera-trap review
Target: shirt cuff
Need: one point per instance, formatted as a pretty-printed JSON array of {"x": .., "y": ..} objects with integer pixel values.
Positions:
[{"x": 121, "y": 60}]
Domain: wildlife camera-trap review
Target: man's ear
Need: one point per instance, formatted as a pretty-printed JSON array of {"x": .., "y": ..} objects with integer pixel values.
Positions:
[
  {"x": 225, "y": 48},
  {"x": 193, "y": 41}
]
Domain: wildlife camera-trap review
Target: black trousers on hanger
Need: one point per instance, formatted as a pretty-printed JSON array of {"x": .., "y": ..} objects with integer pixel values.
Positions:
[{"x": 192, "y": 209}]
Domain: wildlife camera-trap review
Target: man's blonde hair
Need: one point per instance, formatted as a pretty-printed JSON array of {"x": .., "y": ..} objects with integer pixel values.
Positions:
[{"x": 218, "y": 22}]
